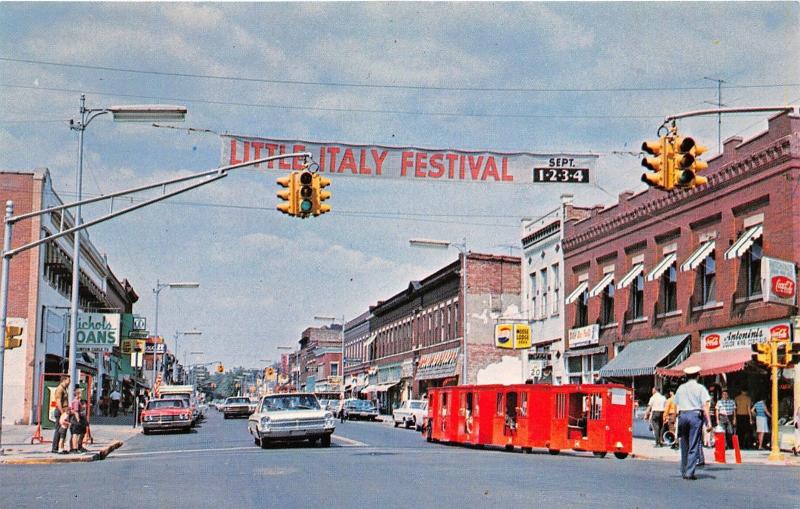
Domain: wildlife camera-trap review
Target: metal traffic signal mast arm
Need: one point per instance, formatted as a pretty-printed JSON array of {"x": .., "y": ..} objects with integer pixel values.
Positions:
[{"x": 716, "y": 111}]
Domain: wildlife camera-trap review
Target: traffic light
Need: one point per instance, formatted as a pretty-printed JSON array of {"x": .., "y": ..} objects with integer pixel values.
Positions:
[
  {"x": 662, "y": 165},
  {"x": 12, "y": 337},
  {"x": 761, "y": 353},
  {"x": 289, "y": 195},
  {"x": 686, "y": 164},
  {"x": 305, "y": 205},
  {"x": 784, "y": 354},
  {"x": 220, "y": 368},
  {"x": 319, "y": 183}
]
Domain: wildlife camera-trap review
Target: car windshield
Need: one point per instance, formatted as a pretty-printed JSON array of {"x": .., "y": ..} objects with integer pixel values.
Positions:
[
  {"x": 295, "y": 402},
  {"x": 166, "y": 403},
  {"x": 365, "y": 405},
  {"x": 417, "y": 404},
  {"x": 239, "y": 401}
]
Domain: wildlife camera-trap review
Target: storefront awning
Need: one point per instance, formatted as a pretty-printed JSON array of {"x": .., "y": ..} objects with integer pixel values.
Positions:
[
  {"x": 641, "y": 357},
  {"x": 437, "y": 365},
  {"x": 379, "y": 387},
  {"x": 711, "y": 363},
  {"x": 698, "y": 256},
  {"x": 630, "y": 276},
  {"x": 744, "y": 242},
  {"x": 585, "y": 351},
  {"x": 599, "y": 287},
  {"x": 662, "y": 266},
  {"x": 577, "y": 292}
]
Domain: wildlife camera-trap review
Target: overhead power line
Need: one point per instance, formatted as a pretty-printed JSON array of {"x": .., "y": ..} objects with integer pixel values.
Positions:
[{"x": 380, "y": 85}]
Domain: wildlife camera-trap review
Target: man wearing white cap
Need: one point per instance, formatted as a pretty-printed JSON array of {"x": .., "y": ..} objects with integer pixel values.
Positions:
[{"x": 693, "y": 403}]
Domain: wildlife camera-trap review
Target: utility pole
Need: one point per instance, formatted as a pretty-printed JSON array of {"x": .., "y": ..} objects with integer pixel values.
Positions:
[{"x": 719, "y": 115}]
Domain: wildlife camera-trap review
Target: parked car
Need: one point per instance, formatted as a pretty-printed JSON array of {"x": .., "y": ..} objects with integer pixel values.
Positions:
[
  {"x": 360, "y": 409},
  {"x": 165, "y": 414},
  {"x": 410, "y": 413},
  {"x": 291, "y": 417},
  {"x": 237, "y": 406}
]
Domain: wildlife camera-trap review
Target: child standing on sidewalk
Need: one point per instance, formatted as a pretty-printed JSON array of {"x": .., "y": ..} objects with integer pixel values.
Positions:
[{"x": 63, "y": 422}]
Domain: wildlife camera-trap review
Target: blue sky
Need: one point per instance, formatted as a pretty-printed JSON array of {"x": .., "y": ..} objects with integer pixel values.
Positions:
[{"x": 595, "y": 77}]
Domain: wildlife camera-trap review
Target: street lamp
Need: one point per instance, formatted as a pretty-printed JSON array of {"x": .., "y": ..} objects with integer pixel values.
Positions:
[
  {"x": 462, "y": 250},
  {"x": 157, "y": 290},
  {"x": 191, "y": 373},
  {"x": 178, "y": 334},
  {"x": 129, "y": 113}
]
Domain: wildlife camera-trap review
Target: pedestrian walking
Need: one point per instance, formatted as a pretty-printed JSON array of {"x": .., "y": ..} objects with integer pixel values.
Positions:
[
  {"x": 744, "y": 419},
  {"x": 726, "y": 411},
  {"x": 759, "y": 410},
  {"x": 115, "y": 399},
  {"x": 693, "y": 403},
  {"x": 655, "y": 414},
  {"x": 78, "y": 422},
  {"x": 61, "y": 400},
  {"x": 671, "y": 419},
  {"x": 796, "y": 448}
]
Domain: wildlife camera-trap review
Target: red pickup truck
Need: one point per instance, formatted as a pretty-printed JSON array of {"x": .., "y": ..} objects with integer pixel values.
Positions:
[{"x": 163, "y": 414}]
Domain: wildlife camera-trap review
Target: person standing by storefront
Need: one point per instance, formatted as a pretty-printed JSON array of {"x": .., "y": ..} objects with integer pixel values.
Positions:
[
  {"x": 693, "y": 403},
  {"x": 759, "y": 410},
  {"x": 61, "y": 400},
  {"x": 726, "y": 410},
  {"x": 744, "y": 420},
  {"x": 655, "y": 414}
]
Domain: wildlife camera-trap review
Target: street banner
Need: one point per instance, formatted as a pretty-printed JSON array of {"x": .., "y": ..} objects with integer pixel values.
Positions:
[
  {"x": 98, "y": 332},
  {"x": 414, "y": 163},
  {"x": 778, "y": 281}
]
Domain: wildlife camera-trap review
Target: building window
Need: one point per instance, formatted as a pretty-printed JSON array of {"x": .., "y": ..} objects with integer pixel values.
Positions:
[
  {"x": 545, "y": 291},
  {"x": 334, "y": 369},
  {"x": 708, "y": 273},
  {"x": 582, "y": 312},
  {"x": 637, "y": 297},
  {"x": 752, "y": 267},
  {"x": 608, "y": 304},
  {"x": 669, "y": 289},
  {"x": 556, "y": 287},
  {"x": 534, "y": 309}
]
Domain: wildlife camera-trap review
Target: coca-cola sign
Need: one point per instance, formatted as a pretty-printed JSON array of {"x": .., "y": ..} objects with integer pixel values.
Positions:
[
  {"x": 744, "y": 336},
  {"x": 779, "y": 281}
]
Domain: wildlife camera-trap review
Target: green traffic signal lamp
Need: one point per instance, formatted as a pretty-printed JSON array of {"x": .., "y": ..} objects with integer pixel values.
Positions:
[
  {"x": 306, "y": 204},
  {"x": 687, "y": 165}
]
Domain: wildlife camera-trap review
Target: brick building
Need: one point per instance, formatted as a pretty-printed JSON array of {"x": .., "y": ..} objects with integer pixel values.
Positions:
[
  {"x": 356, "y": 363},
  {"x": 40, "y": 286},
  {"x": 416, "y": 336},
  {"x": 659, "y": 277},
  {"x": 319, "y": 359}
]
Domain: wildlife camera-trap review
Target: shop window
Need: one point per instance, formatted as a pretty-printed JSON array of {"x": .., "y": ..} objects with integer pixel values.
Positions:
[
  {"x": 669, "y": 289},
  {"x": 708, "y": 279},
  {"x": 575, "y": 365},
  {"x": 582, "y": 310},
  {"x": 751, "y": 265},
  {"x": 608, "y": 304},
  {"x": 637, "y": 297},
  {"x": 598, "y": 361}
]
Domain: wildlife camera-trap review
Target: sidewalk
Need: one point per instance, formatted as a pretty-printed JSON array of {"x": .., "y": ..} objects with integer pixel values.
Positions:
[
  {"x": 18, "y": 450},
  {"x": 644, "y": 448}
]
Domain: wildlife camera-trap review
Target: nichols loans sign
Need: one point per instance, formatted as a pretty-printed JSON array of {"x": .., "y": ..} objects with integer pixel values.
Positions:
[{"x": 98, "y": 332}]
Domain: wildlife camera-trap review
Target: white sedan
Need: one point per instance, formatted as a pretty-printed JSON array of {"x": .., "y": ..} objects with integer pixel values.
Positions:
[
  {"x": 291, "y": 417},
  {"x": 410, "y": 413}
]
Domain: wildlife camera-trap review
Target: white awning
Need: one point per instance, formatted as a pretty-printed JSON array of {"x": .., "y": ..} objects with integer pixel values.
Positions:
[
  {"x": 662, "y": 266},
  {"x": 698, "y": 256},
  {"x": 599, "y": 287},
  {"x": 630, "y": 276},
  {"x": 577, "y": 292},
  {"x": 744, "y": 242},
  {"x": 370, "y": 340}
]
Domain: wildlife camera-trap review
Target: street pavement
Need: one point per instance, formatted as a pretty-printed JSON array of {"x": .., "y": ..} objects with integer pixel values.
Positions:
[{"x": 375, "y": 465}]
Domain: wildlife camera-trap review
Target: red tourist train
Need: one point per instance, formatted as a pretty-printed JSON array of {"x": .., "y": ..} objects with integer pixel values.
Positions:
[{"x": 592, "y": 418}]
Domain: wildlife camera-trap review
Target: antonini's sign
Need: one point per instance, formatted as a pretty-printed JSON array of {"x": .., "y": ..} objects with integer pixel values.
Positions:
[
  {"x": 412, "y": 163},
  {"x": 742, "y": 337}
]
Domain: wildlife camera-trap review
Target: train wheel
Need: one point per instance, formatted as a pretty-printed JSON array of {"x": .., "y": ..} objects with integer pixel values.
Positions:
[
  {"x": 600, "y": 454},
  {"x": 509, "y": 447},
  {"x": 553, "y": 451},
  {"x": 527, "y": 450},
  {"x": 621, "y": 455}
]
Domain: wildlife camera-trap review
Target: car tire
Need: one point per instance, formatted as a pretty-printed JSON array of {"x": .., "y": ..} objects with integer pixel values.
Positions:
[
  {"x": 145, "y": 431},
  {"x": 397, "y": 424},
  {"x": 225, "y": 416},
  {"x": 409, "y": 423},
  {"x": 263, "y": 442},
  {"x": 325, "y": 441}
]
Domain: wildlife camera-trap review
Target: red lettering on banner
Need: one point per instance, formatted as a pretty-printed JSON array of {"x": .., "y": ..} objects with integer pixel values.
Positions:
[
  {"x": 246, "y": 152},
  {"x": 297, "y": 162},
  {"x": 490, "y": 170},
  {"x": 506, "y": 177},
  {"x": 283, "y": 164},
  {"x": 379, "y": 160},
  {"x": 475, "y": 166},
  {"x": 257, "y": 146},
  {"x": 233, "y": 153},
  {"x": 348, "y": 162},
  {"x": 322, "y": 159},
  {"x": 420, "y": 164},
  {"x": 271, "y": 148},
  {"x": 363, "y": 169},
  {"x": 461, "y": 166},
  {"x": 406, "y": 162},
  {"x": 451, "y": 165},
  {"x": 436, "y": 162},
  {"x": 333, "y": 151}
]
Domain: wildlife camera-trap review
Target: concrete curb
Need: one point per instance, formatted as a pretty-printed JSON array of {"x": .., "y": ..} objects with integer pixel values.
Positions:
[{"x": 96, "y": 456}]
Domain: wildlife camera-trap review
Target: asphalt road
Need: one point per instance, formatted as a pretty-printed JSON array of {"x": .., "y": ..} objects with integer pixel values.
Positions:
[{"x": 377, "y": 466}]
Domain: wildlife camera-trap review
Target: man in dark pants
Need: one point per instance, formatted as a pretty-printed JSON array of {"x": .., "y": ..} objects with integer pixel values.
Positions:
[
  {"x": 61, "y": 400},
  {"x": 693, "y": 403}
]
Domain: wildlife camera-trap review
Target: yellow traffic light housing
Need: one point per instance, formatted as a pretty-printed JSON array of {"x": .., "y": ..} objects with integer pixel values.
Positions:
[
  {"x": 12, "y": 337},
  {"x": 784, "y": 355},
  {"x": 289, "y": 195},
  {"x": 687, "y": 166},
  {"x": 319, "y": 183},
  {"x": 305, "y": 201},
  {"x": 662, "y": 165},
  {"x": 762, "y": 353}
]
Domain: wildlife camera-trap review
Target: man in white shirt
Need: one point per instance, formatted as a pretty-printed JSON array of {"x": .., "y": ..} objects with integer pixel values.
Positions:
[
  {"x": 655, "y": 414},
  {"x": 693, "y": 401},
  {"x": 115, "y": 398}
]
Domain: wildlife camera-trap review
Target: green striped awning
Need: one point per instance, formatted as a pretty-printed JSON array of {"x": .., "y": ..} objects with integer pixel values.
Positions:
[{"x": 642, "y": 357}]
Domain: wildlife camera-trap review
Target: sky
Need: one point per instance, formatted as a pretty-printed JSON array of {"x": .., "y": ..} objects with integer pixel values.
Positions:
[{"x": 536, "y": 77}]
